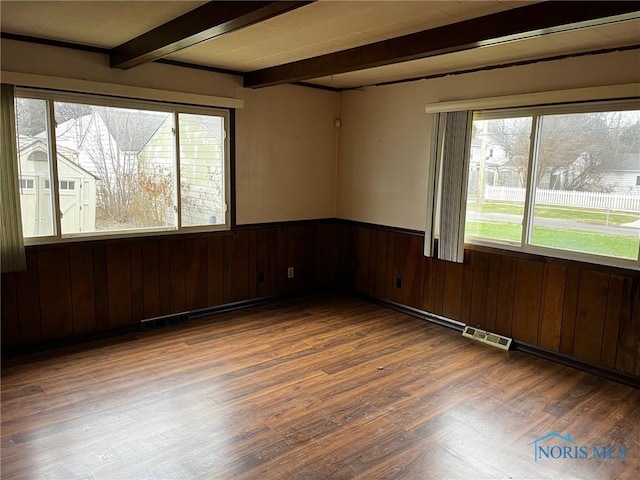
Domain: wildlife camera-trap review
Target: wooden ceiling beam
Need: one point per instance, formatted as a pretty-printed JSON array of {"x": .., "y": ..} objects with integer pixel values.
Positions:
[
  {"x": 201, "y": 24},
  {"x": 516, "y": 24}
]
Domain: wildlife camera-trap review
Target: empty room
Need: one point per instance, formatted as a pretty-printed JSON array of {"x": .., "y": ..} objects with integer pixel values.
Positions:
[{"x": 318, "y": 240}]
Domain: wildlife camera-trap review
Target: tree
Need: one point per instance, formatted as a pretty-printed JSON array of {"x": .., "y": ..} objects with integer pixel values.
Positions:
[{"x": 573, "y": 149}]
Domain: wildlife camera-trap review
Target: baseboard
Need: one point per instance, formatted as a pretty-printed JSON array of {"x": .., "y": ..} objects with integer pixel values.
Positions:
[
  {"x": 164, "y": 321},
  {"x": 414, "y": 312},
  {"x": 598, "y": 370}
]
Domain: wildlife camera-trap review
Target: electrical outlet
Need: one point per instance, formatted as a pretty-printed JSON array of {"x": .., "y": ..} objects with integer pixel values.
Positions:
[
  {"x": 260, "y": 277},
  {"x": 290, "y": 272},
  {"x": 398, "y": 282}
]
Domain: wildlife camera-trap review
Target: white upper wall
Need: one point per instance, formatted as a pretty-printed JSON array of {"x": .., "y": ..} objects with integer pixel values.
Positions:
[
  {"x": 385, "y": 134},
  {"x": 285, "y": 148},
  {"x": 286, "y": 142}
]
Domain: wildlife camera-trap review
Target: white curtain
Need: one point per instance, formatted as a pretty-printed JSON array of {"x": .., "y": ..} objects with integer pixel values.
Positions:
[
  {"x": 11, "y": 241},
  {"x": 451, "y": 150}
]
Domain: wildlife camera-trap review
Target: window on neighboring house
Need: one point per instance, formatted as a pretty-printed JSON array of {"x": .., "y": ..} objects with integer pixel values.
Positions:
[
  {"x": 557, "y": 181},
  {"x": 136, "y": 166},
  {"x": 26, "y": 184}
]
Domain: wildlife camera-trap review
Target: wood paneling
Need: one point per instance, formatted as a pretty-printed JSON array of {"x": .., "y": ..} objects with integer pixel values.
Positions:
[
  {"x": 90, "y": 287},
  {"x": 552, "y": 305},
  {"x": 528, "y": 295},
  {"x": 197, "y": 284},
  {"x": 177, "y": 275},
  {"x": 53, "y": 271},
  {"x": 412, "y": 268},
  {"x": 151, "y": 279},
  {"x": 584, "y": 312},
  {"x": 592, "y": 304},
  {"x": 574, "y": 309},
  {"x": 119, "y": 284},
  {"x": 571, "y": 290},
  {"x": 506, "y": 292},
  {"x": 28, "y": 297},
  {"x": 452, "y": 300},
  {"x": 9, "y": 303},
  {"x": 479, "y": 290},
  {"x": 628, "y": 354},
  {"x": 612, "y": 321},
  {"x": 215, "y": 269}
]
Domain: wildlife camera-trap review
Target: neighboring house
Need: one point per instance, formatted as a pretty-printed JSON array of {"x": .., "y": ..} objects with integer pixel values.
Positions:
[
  {"x": 77, "y": 189},
  {"x": 623, "y": 173},
  {"x": 201, "y": 165},
  {"x": 620, "y": 174}
]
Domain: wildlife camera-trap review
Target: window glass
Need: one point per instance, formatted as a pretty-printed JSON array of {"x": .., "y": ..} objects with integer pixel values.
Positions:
[
  {"x": 121, "y": 168},
  {"x": 498, "y": 178},
  {"x": 36, "y": 203},
  {"x": 122, "y": 161},
  {"x": 586, "y": 194},
  {"x": 202, "y": 181}
]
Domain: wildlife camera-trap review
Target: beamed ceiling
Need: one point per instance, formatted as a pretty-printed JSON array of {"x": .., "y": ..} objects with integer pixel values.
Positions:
[{"x": 336, "y": 44}]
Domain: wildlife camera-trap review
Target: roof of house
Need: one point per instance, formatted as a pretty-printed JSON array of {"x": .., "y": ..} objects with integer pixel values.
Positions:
[{"x": 131, "y": 130}]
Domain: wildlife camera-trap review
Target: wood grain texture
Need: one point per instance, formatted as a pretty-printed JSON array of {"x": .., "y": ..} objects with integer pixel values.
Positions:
[
  {"x": 151, "y": 279},
  {"x": 528, "y": 295},
  {"x": 380, "y": 289},
  {"x": 467, "y": 286},
  {"x": 55, "y": 302},
  {"x": 453, "y": 281},
  {"x": 413, "y": 278},
  {"x": 590, "y": 316},
  {"x": 555, "y": 277},
  {"x": 493, "y": 287},
  {"x": 615, "y": 301},
  {"x": 119, "y": 285},
  {"x": 9, "y": 311},
  {"x": 506, "y": 295},
  {"x": 628, "y": 354},
  {"x": 330, "y": 387},
  {"x": 569, "y": 310},
  {"x": 29, "y": 313},
  {"x": 479, "y": 293}
]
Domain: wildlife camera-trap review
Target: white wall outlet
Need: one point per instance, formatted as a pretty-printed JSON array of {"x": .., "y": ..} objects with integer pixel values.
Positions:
[{"x": 290, "y": 272}]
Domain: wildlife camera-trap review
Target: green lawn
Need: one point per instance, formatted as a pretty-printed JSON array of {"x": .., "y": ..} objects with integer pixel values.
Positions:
[
  {"x": 574, "y": 240},
  {"x": 575, "y": 214}
]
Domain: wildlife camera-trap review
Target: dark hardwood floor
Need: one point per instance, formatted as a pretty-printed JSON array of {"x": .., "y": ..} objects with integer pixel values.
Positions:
[{"x": 328, "y": 387}]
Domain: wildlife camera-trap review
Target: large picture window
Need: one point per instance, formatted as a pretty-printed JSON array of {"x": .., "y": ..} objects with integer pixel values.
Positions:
[
  {"x": 562, "y": 179},
  {"x": 120, "y": 167}
]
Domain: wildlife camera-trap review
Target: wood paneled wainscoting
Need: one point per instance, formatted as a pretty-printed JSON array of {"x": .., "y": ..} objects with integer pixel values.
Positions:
[
  {"x": 583, "y": 314},
  {"x": 577, "y": 313},
  {"x": 86, "y": 288}
]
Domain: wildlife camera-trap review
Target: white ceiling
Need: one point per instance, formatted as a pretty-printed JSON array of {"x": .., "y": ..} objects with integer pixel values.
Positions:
[{"x": 315, "y": 29}]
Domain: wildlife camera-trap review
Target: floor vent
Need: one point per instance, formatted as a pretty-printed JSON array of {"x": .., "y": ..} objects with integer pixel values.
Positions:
[{"x": 486, "y": 337}]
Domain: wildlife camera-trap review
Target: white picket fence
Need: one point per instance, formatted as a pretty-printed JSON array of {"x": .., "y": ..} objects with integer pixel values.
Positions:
[{"x": 605, "y": 201}]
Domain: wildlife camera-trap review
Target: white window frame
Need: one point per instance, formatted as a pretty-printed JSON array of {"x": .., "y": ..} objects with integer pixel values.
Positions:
[
  {"x": 528, "y": 216},
  {"x": 173, "y": 109}
]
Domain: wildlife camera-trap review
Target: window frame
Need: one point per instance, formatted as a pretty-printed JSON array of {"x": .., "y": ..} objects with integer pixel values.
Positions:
[
  {"x": 171, "y": 108},
  {"x": 536, "y": 112}
]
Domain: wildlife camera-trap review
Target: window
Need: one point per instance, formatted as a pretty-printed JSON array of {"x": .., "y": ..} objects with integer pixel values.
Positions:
[
  {"x": 557, "y": 181},
  {"x": 26, "y": 184},
  {"x": 122, "y": 167}
]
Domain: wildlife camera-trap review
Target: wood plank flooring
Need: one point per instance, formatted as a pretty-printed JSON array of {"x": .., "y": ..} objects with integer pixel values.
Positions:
[{"x": 328, "y": 387}]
